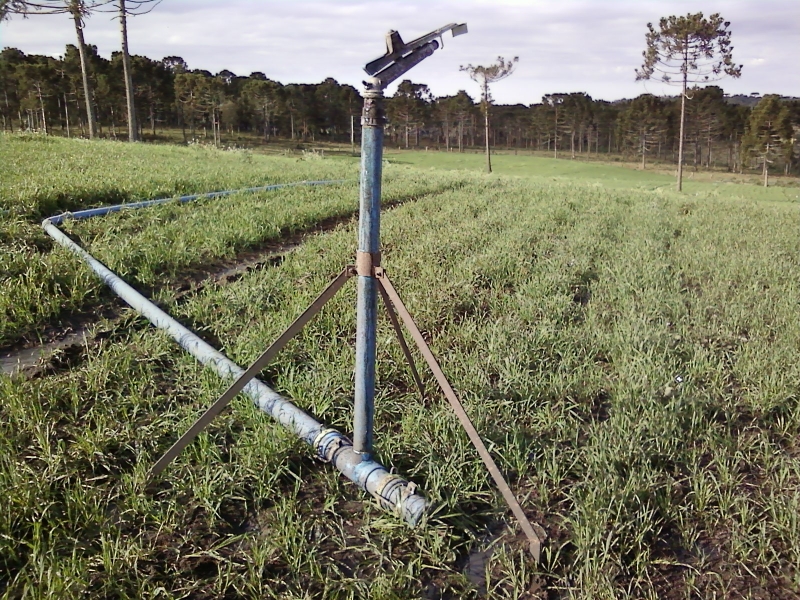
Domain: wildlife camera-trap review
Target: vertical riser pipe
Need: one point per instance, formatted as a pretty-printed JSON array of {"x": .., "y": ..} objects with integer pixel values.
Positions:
[{"x": 368, "y": 245}]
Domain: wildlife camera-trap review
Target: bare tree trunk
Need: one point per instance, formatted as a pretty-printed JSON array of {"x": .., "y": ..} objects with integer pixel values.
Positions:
[
  {"x": 133, "y": 132},
  {"x": 80, "y": 120},
  {"x": 488, "y": 151},
  {"x": 183, "y": 125},
  {"x": 730, "y": 156},
  {"x": 680, "y": 135},
  {"x": 555, "y": 136},
  {"x": 10, "y": 116},
  {"x": 644, "y": 149},
  {"x": 66, "y": 113},
  {"x": 41, "y": 104},
  {"x": 739, "y": 158},
  {"x": 87, "y": 89},
  {"x": 216, "y": 126},
  {"x": 113, "y": 124}
]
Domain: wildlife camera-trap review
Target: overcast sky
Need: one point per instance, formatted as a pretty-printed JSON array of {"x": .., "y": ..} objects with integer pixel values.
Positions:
[{"x": 563, "y": 45}]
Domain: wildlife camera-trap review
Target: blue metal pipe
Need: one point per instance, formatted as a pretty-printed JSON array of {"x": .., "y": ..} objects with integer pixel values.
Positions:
[
  {"x": 364, "y": 395},
  {"x": 392, "y": 492},
  {"x": 97, "y": 212},
  {"x": 368, "y": 247}
]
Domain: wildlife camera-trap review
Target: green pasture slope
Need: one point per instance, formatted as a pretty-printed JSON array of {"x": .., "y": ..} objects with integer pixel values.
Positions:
[
  {"x": 607, "y": 174},
  {"x": 629, "y": 354}
]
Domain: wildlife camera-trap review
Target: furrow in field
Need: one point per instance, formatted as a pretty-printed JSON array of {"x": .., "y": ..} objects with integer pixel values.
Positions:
[{"x": 33, "y": 357}]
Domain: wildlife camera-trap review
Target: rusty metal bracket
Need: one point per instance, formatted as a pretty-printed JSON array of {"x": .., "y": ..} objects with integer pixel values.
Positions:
[
  {"x": 241, "y": 382},
  {"x": 386, "y": 286},
  {"x": 367, "y": 262}
]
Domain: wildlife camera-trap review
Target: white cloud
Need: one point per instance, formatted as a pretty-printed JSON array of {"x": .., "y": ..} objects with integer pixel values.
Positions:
[{"x": 566, "y": 45}]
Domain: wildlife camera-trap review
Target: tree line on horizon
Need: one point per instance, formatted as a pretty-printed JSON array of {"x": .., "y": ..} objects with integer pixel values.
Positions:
[{"x": 42, "y": 93}]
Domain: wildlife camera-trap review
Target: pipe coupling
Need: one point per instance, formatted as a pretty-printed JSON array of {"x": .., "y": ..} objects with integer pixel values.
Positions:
[{"x": 373, "y": 113}]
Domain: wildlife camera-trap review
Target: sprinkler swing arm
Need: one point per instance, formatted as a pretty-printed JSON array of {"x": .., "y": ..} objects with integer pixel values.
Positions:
[
  {"x": 400, "y": 57},
  {"x": 354, "y": 459}
]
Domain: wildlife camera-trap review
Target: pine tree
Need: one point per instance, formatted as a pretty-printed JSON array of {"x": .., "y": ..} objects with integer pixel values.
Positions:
[
  {"x": 769, "y": 134},
  {"x": 78, "y": 10},
  {"x": 409, "y": 106},
  {"x": 642, "y": 125},
  {"x": 485, "y": 77},
  {"x": 692, "y": 49},
  {"x": 126, "y": 8}
]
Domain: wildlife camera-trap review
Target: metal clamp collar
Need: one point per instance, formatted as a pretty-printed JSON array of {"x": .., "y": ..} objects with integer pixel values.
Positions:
[
  {"x": 367, "y": 262},
  {"x": 325, "y": 454}
]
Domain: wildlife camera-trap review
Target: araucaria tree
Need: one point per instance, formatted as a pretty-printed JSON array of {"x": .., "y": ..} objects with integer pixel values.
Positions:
[
  {"x": 769, "y": 136},
  {"x": 263, "y": 96},
  {"x": 642, "y": 125},
  {"x": 78, "y": 10},
  {"x": 484, "y": 77},
  {"x": 127, "y": 8},
  {"x": 408, "y": 108},
  {"x": 684, "y": 50}
]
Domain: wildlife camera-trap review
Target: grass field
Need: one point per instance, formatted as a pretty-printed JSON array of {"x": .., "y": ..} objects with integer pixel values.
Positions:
[
  {"x": 628, "y": 353},
  {"x": 608, "y": 174}
]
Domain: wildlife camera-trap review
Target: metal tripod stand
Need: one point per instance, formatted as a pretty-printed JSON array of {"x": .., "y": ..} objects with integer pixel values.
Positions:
[{"x": 373, "y": 281}]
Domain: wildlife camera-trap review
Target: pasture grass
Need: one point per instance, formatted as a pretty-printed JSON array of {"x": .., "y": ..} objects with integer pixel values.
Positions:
[
  {"x": 629, "y": 355},
  {"x": 50, "y": 175},
  {"x": 607, "y": 174}
]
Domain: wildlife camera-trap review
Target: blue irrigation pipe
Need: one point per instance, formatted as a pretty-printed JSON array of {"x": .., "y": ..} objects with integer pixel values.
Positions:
[
  {"x": 368, "y": 257},
  {"x": 97, "y": 212},
  {"x": 392, "y": 491}
]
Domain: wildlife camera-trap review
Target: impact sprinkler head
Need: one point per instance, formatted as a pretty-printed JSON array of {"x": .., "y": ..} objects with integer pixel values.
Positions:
[{"x": 400, "y": 56}]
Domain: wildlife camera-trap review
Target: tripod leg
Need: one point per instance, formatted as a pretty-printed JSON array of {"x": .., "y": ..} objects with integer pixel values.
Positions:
[
  {"x": 241, "y": 382},
  {"x": 399, "y": 331},
  {"x": 466, "y": 423}
]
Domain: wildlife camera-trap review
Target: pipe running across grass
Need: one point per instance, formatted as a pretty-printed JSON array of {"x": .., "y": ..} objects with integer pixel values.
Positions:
[{"x": 392, "y": 492}]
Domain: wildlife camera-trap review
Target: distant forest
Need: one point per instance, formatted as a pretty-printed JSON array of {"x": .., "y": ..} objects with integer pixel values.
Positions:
[{"x": 45, "y": 94}]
